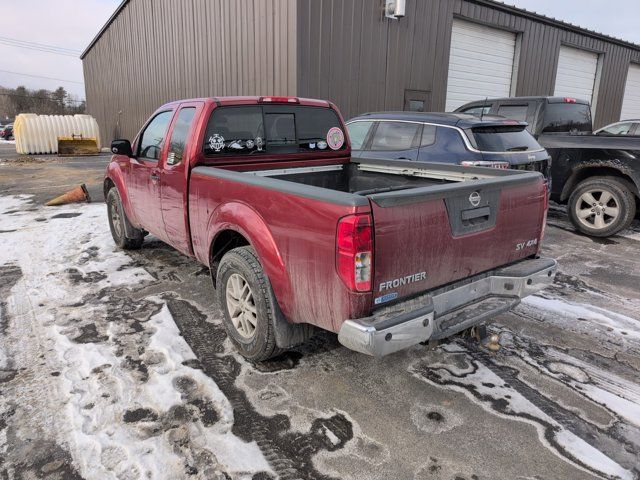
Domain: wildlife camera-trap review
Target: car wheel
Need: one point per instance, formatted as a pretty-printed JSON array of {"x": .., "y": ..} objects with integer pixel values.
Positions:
[
  {"x": 601, "y": 206},
  {"x": 119, "y": 224},
  {"x": 248, "y": 304}
]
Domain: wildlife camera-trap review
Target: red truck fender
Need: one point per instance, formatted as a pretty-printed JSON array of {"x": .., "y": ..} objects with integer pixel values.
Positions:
[
  {"x": 115, "y": 178},
  {"x": 243, "y": 219}
]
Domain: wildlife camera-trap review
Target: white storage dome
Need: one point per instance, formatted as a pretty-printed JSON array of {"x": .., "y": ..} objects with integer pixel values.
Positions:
[{"x": 39, "y": 133}]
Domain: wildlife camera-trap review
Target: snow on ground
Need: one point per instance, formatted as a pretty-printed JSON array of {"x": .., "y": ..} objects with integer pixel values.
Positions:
[
  {"x": 599, "y": 319},
  {"x": 459, "y": 371},
  {"x": 124, "y": 398},
  {"x": 9, "y": 142}
]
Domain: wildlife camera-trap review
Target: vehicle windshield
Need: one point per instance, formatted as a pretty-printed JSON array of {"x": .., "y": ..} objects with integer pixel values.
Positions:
[
  {"x": 567, "y": 118},
  {"x": 507, "y": 138}
]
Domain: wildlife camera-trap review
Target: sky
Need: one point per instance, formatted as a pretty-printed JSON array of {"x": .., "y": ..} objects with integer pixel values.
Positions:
[{"x": 73, "y": 23}]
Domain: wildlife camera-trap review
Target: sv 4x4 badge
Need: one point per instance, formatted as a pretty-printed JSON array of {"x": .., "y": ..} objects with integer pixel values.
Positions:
[{"x": 529, "y": 243}]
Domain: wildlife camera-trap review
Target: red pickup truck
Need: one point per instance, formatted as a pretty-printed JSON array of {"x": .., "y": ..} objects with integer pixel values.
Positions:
[{"x": 297, "y": 234}]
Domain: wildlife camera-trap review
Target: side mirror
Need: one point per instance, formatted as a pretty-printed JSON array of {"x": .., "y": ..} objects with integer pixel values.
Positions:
[{"x": 121, "y": 147}]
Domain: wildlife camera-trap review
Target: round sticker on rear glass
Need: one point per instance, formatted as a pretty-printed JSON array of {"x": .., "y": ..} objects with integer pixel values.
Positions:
[{"x": 335, "y": 138}]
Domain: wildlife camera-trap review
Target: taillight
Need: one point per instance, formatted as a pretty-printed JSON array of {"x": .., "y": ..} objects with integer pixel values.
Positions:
[
  {"x": 544, "y": 214},
  {"x": 484, "y": 163},
  {"x": 569, "y": 100},
  {"x": 354, "y": 251}
]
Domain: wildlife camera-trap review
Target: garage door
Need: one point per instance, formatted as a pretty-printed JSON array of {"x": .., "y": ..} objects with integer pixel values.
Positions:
[
  {"x": 631, "y": 101},
  {"x": 480, "y": 63},
  {"x": 576, "y": 74}
]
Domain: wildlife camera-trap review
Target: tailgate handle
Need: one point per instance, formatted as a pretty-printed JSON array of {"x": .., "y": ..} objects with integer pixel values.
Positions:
[{"x": 476, "y": 215}]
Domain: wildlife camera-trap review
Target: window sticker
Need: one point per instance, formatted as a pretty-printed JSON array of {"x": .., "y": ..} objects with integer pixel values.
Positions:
[
  {"x": 250, "y": 144},
  {"x": 236, "y": 145},
  {"x": 312, "y": 146},
  {"x": 335, "y": 138},
  {"x": 216, "y": 142},
  {"x": 322, "y": 144},
  {"x": 259, "y": 143}
]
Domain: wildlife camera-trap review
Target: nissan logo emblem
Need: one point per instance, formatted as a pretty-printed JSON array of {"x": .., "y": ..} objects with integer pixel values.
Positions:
[{"x": 474, "y": 199}]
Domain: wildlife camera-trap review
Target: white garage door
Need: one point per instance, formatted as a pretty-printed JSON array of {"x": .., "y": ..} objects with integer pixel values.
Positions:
[
  {"x": 576, "y": 74},
  {"x": 480, "y": 63},
  {"x": 631, "y": 101}
]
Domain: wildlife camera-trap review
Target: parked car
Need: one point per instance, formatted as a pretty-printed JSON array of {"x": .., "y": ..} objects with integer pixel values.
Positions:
[
  {"x": 448, "y": 138},
  {"x": 625, "y": 127},
  {"x": 598, "y": 176},
  {"x": 296, "y": 233},
  {"x": 7, "y": 132}
]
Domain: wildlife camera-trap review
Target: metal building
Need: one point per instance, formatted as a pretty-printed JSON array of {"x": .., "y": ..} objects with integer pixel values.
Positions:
[{"x": 441, "y": 54}]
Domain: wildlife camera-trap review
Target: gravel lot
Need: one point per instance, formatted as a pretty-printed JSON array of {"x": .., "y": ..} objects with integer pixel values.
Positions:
[{"x": 116, "y": 365}]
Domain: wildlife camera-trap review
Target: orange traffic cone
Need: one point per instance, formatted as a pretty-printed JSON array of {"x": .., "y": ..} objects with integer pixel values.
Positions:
[{"x": 78, "y": 194}]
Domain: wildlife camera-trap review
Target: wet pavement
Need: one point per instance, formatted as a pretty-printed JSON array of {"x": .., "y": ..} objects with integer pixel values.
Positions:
[{"x": 559, "y": 400}]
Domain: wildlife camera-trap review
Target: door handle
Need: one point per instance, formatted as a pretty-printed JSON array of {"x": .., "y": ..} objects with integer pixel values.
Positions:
[{"x": 154, "y": 177}]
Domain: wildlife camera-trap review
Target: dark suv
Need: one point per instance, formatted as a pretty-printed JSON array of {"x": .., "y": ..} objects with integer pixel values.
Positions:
[{"x": 447, "y": 138}]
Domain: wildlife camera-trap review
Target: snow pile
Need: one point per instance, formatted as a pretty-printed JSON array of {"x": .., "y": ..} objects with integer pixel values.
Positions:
[{"x": 125, "y": 400}]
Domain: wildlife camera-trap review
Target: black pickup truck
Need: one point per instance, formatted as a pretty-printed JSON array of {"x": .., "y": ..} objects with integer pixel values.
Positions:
[{"x": 598, "y": 176}]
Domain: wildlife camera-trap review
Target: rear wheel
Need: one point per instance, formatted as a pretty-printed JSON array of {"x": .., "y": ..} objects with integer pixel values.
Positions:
[
  {"x": 601, "y": 206},
  {"x": 120, "y": 225},
  {"x": 248, "y": 304}
]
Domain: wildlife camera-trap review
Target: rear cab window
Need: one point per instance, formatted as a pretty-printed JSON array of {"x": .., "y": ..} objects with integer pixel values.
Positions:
[
  {"x": 567, "y": 117},
  {"x": 502, "y": 138},
  {"x": 272, "y": 129}
]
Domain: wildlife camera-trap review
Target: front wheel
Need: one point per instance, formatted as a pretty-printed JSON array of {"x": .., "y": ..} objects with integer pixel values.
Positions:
[
  {"x": 601, "y": 206},
  {"x": 249, "y": 306},
  {"x": 119, "y": 224}
]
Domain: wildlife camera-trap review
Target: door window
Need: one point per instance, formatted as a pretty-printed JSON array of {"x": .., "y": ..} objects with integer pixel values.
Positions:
[
  {"x": 619, "y": 129},
  {"x": 514, "y": 112},
  {"x": 153, "y": 135},
  {"x": 179, "y": 135},
  {"x": 477, "y": 110},
  {"x": 396, "y": 136},
  {"x": 358, "y": 132},
  {"x": 428, "y": 135}
]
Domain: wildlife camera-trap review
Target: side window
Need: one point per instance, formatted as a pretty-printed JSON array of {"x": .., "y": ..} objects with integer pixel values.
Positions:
[
  {"x": 396, "y": 136},
  {"x": 514, "y": 112},
  {"x": 179, "y": 135},
  {"x": 358, "y": 132},
  {"x": 235, "y": 130},
  {"x": 428, "y": 135},
  {"x": 620, "y": 129},
  {"x": 477, "y": 110},
  {"x": 153, "y": 135}
]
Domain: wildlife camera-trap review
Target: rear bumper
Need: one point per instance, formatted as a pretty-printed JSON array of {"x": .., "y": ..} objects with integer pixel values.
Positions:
[{"x": 445, "y": 311}]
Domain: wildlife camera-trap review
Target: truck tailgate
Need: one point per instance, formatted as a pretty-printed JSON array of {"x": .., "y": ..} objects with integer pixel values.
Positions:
[{"x": 428, "y": 237}]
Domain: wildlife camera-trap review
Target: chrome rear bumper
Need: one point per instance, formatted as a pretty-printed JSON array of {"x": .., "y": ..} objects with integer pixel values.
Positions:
[{"x": 448, "y": 310}]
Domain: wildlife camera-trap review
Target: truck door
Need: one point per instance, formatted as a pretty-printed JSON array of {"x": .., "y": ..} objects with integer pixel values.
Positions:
[
  {"x": 144, "y": 178},
  {"x": 173, "y": 177}
]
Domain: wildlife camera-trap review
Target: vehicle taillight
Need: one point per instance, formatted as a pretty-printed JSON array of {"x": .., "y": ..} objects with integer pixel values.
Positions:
[
  {"x": 278, "y": 100},
  {"x": 484, "y": 163},
  {"x": 569, "y": 100},
  {"x": 544, "y": 214},
  {"x": 354, "y": 251}
]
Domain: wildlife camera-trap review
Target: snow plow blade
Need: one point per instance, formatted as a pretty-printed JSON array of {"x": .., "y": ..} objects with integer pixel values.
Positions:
[{"x": 77, "y": 146}]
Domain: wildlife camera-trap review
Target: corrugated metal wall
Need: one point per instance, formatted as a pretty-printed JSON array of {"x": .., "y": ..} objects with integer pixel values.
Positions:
[
  {"x": 156, "y": 51},
  {"x": 349, "y": 54}
]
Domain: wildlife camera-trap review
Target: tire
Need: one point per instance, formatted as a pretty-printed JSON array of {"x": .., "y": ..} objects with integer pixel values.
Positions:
[
  {"x": 601, "y": 219},
  {"x": 249, "y": 317},
  {"x": 119, "y": 224}
]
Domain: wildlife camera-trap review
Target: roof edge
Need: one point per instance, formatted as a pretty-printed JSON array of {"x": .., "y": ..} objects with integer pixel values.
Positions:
[
  {"x": 535, "y": 16},
  {"x": 104, "y": 28}
]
